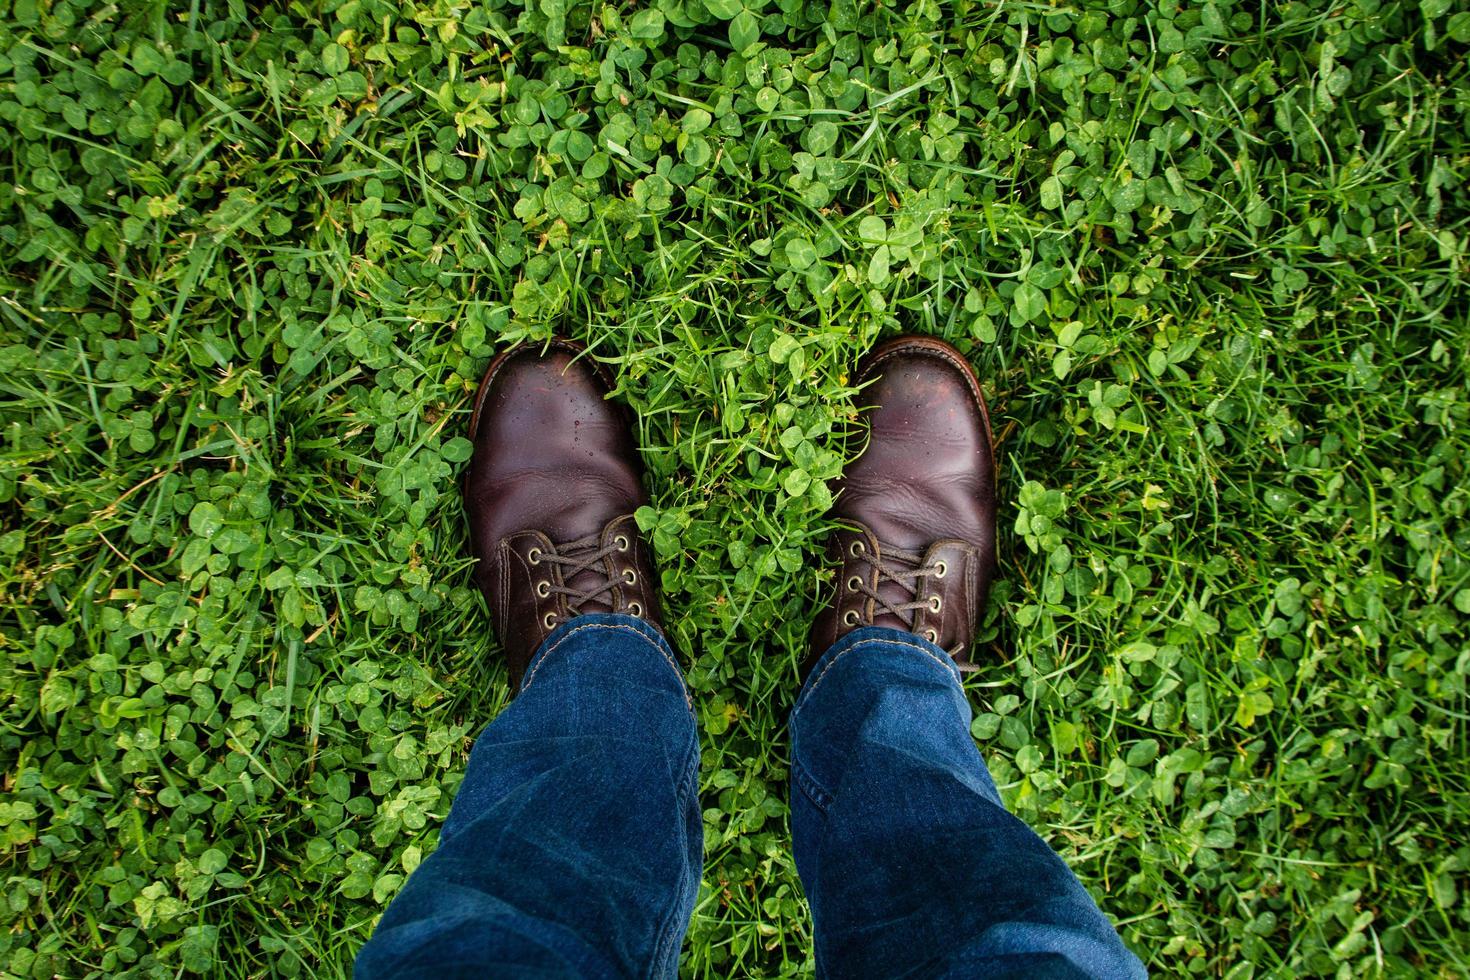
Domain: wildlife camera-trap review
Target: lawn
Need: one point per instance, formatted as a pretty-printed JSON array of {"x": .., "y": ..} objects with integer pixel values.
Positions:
[{"x": 1209, "y": 259}]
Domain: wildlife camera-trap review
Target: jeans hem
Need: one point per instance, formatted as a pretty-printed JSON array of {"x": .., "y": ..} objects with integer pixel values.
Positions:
[
  {"x": 873, "y": 636},
  {"x": 610, "y": 622}
]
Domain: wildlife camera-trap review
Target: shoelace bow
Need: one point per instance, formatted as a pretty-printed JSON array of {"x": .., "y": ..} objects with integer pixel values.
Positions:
[{"x": 585, "y": 555}]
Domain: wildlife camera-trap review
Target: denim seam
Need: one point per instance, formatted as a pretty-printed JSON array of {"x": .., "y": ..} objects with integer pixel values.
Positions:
[
  {"x": 819, "y": 797},
  {"x": 670, "y": 936},
  {"x": 690, "y": 768},
  {"x": 611, "y": 626}
]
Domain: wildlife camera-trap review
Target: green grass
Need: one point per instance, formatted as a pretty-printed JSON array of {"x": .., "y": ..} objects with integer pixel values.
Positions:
[{"x": 1209, "y": 259}]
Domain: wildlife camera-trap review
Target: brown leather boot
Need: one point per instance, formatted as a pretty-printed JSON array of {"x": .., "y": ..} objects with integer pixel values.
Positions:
[
  {"x": 919, "y": 502},
  {"x": 550, "y": 494}
]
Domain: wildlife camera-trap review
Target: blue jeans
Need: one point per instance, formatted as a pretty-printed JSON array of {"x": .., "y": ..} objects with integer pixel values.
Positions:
[{"x": 574, "y": 846}]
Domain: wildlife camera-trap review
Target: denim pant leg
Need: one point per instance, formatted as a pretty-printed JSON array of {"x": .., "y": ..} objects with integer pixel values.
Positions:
[
  {"x": 574, "y": 845},
  {"x": 910, "y": 862}
]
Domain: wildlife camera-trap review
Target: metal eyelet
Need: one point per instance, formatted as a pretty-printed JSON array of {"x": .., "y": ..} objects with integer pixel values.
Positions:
[
  {"x": 543, "y": 589},
  {"x": 850, "y": 618},
  {"x": 621, "y": 541},
  {"x": 630, "y": 576},
  {"x": 533, "y": 557},
  {"x": 635, "y": 609},
  {"x": 931, "y": 636},
  {"x": 854, "y": 583},
  {"x": 940, "y": 569},
  {"x": 935, "y": 603},
  {"x": 856, "y": 548},
  {"x": 549, "y": 621}
]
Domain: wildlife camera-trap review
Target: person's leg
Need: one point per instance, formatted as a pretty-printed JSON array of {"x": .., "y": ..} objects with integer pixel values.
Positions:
[
  {"x": 574, "y": 845},
  {"x": 910, "y": 862},
  {"x": 573, "y": 848}
]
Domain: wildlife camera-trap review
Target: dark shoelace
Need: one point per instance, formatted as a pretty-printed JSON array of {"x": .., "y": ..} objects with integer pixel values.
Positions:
[
  {"x": 908, "y": 579},
  {"x": 584, "y": 555},
  {"x": 905, "y": 575}
]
